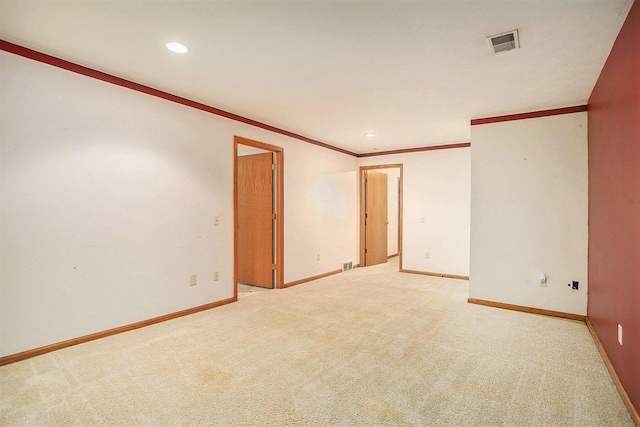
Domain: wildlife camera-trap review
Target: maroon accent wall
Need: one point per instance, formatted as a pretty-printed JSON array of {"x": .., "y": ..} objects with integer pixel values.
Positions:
[{"x": 614, "y": 205}]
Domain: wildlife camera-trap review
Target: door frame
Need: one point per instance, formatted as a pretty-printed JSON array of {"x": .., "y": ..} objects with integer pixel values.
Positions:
[
  {"x": 279, "y": 190},
  {"x": 362, "y": 206}
]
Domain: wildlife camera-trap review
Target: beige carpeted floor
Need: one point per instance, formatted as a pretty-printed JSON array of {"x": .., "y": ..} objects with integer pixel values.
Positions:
[{"x": 362, "y": 348}]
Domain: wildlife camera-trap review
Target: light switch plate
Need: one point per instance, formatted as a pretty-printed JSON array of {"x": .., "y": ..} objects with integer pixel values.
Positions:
[{"x": 620, "y": 334}]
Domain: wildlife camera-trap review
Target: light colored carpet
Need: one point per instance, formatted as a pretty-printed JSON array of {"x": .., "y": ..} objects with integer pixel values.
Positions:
[
  {"x": 361, "y": 348},
  {"x": 249, "y": 289}
]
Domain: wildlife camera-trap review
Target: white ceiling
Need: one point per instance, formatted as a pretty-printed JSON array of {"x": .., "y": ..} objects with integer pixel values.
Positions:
[{"x": 414, "y": 73}]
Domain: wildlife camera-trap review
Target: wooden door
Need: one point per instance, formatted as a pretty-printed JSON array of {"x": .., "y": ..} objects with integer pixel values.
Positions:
[
  {"x": 255, "y": 220},
  {"x": 376, "y": 221}
]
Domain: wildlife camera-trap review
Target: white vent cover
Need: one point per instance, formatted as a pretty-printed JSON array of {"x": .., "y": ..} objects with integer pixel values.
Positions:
[{"x": 504, "y": 42}]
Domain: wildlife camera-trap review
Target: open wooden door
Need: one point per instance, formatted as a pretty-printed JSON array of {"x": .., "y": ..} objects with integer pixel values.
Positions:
[
  {"x": 375, "y": 240},
  {"x": 255, "y": 220}
]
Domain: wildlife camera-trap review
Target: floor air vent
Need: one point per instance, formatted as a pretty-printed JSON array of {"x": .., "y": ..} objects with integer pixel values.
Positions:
[
  {"x": 347, "y": 266},
  {"x": 504, "y": 42}
]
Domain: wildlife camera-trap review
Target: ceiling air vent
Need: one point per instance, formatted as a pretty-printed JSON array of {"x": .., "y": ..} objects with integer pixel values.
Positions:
[{"x": 504, "y": 42}]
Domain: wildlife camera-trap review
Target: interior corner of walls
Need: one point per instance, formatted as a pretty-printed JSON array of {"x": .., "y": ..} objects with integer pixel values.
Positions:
[
  {"x": 119, "y": 177},
  {"x": 321, "y": 204},
  {"x": 436, "y": 187}
]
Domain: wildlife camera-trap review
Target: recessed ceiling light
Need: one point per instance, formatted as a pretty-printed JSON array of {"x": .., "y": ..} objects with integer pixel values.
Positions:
[
  {"x": 369, "y": 135},
  {"x": 177, "y": 47}
]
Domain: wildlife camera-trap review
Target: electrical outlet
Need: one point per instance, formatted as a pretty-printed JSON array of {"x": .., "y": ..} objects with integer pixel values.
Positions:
[
  {"x": 194, "y": 280},
  {"x": 216, "y": 276},
  {"x": 427, "y": 255},
  {"x": 216, "y": 221},
  {"x": 318, "y": 257},
  {"x": 619, "y": 334}
]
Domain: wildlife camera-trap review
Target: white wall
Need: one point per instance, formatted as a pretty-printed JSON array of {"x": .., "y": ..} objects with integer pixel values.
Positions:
[
  {"x": 529, "y": 212},
  {"x": 108, "y": 199},
  {"x": 321, "y": 207},
  {"x": 436, "y": 187}
]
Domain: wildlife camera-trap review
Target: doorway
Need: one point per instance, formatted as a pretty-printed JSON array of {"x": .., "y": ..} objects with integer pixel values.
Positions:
[
  {"x": 380, "y": 213},
  {"x": 258, "y": 200}
]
